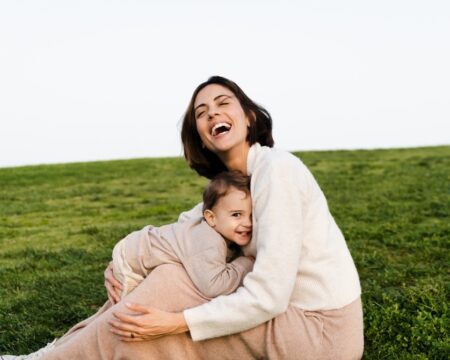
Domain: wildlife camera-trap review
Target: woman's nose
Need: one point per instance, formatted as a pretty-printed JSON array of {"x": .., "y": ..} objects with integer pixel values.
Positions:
[{"x": 212, "y": 112}]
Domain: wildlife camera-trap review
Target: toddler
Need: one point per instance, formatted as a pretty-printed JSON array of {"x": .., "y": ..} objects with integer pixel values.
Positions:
[{"x": 208, "y": 248}]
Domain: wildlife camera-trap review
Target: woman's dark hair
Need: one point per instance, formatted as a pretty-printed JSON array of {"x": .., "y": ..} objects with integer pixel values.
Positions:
[
  {"x": 221, "y": 185},
  {"x": 202, "y": 160}
]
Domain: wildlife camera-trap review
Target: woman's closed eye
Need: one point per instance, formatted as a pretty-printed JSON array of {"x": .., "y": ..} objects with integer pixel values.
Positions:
[{"x": 201, "y": 113}]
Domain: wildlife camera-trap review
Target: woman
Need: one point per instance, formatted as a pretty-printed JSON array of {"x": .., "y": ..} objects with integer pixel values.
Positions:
[{"x": 302, "y": 299}]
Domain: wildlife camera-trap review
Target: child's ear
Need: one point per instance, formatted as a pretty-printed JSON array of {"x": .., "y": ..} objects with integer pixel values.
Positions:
[{"x": 209, "y": 217}]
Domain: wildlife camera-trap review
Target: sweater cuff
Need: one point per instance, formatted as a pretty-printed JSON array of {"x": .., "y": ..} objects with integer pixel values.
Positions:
[
  {"x": 244, "y": 263},
  {"x": 194, "y": 318}
]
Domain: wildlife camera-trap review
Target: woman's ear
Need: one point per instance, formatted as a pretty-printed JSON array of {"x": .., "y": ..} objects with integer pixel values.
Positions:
[{"x": 209, "y": 217}]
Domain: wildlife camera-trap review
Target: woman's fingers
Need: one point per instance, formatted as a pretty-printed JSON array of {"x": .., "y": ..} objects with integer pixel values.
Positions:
[
  {"x": 113, "y": 295},
  {"x": 113, "y": 287},
  {"x": 128, "y": 335},
  {"x": 145, "y": 338},
  {"x": 129, "y": 339},
  {"x": 109, "y": 276},
  {"x": 139, "y": 308},
  {"x": 124, "y": 329},
  {"x": 127, "y": 319},
  {"x": 123, "y": 334},
  {"x": 110, "y": 298}
]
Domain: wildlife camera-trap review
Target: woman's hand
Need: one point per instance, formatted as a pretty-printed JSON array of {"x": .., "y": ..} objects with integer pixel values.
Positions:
[
  {"x": 113, "y": 287},
  {"x": 147, "y": 323}
]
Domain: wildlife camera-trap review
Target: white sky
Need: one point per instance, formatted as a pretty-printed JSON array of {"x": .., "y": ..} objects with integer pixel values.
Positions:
[{"x": 98, "y": 79}]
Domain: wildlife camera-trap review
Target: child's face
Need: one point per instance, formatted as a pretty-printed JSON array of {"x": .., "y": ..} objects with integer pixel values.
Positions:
[{"x": 232, "y": 217}]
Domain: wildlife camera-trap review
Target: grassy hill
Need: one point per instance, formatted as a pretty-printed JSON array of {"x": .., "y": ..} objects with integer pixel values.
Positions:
[{"x": 58, "y": 224}]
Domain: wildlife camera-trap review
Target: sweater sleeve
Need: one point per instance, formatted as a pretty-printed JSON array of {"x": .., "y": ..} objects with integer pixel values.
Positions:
[
  {"x": 277, "y": 227},
  {"x": 213, "y": 276},
  {"x": 194, "y": 213},
  {"x": 204, "y": 259}
]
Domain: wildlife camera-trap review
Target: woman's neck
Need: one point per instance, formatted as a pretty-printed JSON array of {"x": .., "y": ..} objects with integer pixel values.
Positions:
[{"x": 236, "y": 158}]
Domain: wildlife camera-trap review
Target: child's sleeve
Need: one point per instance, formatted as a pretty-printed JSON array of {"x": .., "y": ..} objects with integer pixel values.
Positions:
[
  {"x": 195, "y": 213},
  {"x": 206, "y": 264}
]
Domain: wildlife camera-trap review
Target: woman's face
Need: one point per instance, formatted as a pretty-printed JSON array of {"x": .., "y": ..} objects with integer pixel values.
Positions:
[{"x": 220, "y": 119}]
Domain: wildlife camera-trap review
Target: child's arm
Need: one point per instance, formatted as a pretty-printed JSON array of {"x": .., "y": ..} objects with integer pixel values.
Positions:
[
  {"x": 213, "y": 276},
  {"x": 205, "y": 262}
]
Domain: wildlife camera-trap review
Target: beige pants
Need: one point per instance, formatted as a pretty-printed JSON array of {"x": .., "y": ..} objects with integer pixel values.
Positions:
[{"x": 296, "y": 334}]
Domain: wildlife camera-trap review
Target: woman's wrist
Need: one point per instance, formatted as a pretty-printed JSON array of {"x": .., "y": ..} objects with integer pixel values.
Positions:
[{"x": 181, "y": 324}]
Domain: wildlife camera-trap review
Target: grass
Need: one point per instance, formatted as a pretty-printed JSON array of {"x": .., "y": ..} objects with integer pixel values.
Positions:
[{"x": 58, "y": 224}]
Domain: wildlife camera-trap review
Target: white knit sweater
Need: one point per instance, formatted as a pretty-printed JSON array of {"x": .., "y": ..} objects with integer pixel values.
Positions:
[{"x": 301, "y": 255}]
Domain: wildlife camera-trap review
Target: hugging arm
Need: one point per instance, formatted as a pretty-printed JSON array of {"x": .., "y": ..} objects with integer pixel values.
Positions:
[
  {"x": 277, "y": 208},
  {"x": 213, "y": 276}
]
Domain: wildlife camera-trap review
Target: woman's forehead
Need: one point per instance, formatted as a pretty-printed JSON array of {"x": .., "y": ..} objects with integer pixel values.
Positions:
[{"x": 211, "y": 92}]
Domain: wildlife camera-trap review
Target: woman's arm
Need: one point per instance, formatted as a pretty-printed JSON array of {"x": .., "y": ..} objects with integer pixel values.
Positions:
[
  {"x": 277, "y": 195},
  {"x": 279, "y": 188}
]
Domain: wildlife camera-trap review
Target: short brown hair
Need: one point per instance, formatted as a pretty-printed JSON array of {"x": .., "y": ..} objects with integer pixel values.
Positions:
[
  {"x": 221, "y": 185},
  {"x": 202, "y": 160}
]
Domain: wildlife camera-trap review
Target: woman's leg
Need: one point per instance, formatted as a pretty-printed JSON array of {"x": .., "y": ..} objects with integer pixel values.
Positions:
[
  {"x": 343, "y": 334},
  {"x": 296, "y": 334},
  {"x": 168, "y": 287}
]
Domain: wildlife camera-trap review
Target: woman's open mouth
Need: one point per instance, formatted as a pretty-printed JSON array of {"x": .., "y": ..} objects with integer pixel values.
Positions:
[{"x": 220, "y": 129}]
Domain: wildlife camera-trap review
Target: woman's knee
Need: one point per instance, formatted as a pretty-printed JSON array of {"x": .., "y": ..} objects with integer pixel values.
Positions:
[{"x": 168, "y": 287}]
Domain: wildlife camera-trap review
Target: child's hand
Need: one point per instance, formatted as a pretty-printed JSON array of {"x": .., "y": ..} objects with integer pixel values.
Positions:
[{"x": 252, "y": 258}]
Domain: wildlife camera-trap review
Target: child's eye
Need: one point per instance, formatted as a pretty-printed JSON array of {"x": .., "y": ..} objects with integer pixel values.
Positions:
[
  {"x": 236, "y": 215},
  {"x": 224, "y": 103},
  {"x": 200, "y": 114}
]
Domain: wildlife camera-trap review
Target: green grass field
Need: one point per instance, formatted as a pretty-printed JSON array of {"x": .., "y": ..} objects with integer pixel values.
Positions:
[{"x": 58, "y": 224}]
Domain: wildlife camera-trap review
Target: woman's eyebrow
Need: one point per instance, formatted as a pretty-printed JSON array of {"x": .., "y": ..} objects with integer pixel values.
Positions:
[{"x": 217, "y": 97}]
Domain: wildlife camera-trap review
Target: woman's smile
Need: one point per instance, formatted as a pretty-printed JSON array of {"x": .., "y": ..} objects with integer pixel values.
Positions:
[
  {"x": 221, "y": 122},
  {"x": 220, "y": 129}
]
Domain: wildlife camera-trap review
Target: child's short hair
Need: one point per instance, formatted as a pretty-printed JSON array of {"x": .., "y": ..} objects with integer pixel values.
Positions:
[{"x": 221, "y": 184}]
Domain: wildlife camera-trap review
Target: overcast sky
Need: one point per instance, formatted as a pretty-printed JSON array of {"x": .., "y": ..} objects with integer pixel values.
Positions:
[{"x": 102, "y": 79}]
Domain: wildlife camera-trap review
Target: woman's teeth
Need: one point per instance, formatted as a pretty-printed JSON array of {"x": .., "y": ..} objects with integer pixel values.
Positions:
[{"x": 220, "y": 128}]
